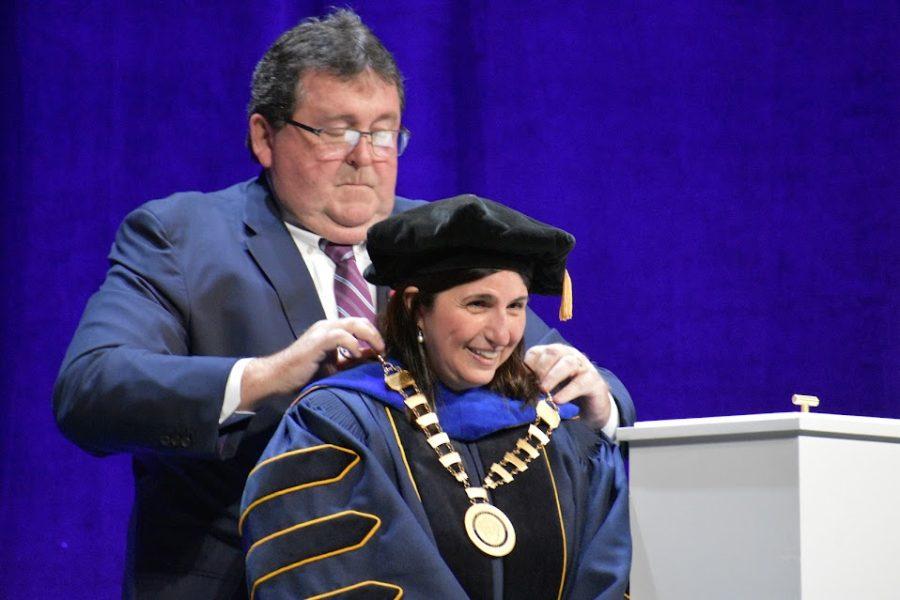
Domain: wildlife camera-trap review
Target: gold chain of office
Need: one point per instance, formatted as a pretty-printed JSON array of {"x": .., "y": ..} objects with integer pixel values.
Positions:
[{"x": 486, "y": 525}]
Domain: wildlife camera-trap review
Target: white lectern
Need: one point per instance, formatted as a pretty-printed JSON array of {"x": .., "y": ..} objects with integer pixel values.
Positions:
[{"x": 794, "y": 506}]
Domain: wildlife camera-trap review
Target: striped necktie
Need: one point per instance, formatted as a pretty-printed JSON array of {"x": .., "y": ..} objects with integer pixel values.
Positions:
[{"x": 351, "y": 292}]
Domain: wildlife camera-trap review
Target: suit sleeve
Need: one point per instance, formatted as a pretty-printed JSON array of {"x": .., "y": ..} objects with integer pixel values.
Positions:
[
  {"x": 322, "y": 514},
  {"x": 538, "y": 333},
  {"x": 127, "y": 383}
]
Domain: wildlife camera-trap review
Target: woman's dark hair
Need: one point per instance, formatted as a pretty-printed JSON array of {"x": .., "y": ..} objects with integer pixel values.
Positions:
[{"x": 513, "y": 378}]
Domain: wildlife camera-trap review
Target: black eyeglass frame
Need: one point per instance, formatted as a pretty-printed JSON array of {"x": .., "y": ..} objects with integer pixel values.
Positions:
[{"x": 403, "y": 134}]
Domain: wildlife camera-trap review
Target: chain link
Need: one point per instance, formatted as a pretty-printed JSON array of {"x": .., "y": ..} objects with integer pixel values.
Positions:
[{"x": 501, "y": 472}]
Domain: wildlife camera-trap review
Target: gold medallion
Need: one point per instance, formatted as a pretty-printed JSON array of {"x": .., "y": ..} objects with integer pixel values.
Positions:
[{"x": 489, "y": 529}]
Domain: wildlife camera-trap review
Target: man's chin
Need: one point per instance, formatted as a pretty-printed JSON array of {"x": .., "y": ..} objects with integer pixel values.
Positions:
[
  {"x": 347, "y": 231},
  {"x": 353, "y": 222},
  {"x": 339, "y": 234}
]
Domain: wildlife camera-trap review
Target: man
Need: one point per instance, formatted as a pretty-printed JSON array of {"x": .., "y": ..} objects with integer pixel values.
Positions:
[{"x": 217, "y": 308}]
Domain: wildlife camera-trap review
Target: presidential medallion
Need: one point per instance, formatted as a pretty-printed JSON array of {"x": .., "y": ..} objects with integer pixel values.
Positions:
[{"x": 489, "y": 529}]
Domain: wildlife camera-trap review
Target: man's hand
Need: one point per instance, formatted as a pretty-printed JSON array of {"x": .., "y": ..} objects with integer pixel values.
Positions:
[
  {"x": 556, "y": 364},
  {"x": 292, "y": 368}
]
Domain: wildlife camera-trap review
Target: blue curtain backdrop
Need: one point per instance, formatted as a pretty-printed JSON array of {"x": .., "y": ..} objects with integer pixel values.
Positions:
[{"x": 730, "y": 170}]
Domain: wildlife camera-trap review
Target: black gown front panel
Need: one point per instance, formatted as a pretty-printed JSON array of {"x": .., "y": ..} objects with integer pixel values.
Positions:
[{"x": 534, "y": 568}]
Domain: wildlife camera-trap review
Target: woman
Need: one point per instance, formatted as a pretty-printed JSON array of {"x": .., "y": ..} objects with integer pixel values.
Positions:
[{"x": 443, "y": 470}]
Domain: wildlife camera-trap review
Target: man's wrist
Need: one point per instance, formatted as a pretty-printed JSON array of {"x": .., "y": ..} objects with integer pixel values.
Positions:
[
  {"x": 612, "y": 423},
  {"x": 232, "y": 399},
  {"x": 257, "y": 382}
]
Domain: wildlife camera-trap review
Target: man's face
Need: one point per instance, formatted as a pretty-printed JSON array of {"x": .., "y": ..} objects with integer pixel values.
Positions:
[{"x": 341, "y": 198}]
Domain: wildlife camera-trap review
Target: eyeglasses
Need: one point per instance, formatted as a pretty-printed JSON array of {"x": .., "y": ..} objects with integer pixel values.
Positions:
[{"x": 338, "y": 142}]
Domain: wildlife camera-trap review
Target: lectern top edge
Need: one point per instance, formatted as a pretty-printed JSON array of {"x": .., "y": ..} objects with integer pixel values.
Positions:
[{"x": 764, "y": 425}]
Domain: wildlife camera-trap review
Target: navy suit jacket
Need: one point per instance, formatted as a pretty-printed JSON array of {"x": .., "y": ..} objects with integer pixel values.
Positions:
[{"x": 196, "y": 281}]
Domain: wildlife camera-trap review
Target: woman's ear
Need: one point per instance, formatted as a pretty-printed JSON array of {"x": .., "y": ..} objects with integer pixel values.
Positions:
[{"x": 408, "y": 295}]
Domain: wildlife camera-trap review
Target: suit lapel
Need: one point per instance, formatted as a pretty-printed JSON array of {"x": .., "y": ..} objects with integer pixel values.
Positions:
[{"x": 271, "y": 246}]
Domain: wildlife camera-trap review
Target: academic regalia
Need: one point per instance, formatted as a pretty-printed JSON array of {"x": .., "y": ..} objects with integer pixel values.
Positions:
[{"x": 350, "y": 501}]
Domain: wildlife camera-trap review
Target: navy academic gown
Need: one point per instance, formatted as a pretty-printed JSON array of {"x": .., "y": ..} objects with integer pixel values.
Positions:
[{"x": 349, "y": 500}]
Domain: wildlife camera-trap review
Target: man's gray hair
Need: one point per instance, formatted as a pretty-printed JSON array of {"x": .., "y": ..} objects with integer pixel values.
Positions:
[{"x": 339, "y": 44}]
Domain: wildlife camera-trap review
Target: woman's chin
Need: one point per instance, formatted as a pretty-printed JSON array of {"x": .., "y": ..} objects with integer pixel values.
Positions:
[{"x": 477, "y": 378}]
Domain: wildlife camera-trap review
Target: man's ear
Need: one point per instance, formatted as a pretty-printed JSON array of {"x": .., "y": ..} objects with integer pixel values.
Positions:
[{"x": 261, "y": 139}]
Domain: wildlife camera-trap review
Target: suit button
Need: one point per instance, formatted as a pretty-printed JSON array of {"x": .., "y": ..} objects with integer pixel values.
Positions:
[
  {"x": 165, "y": 440},
  {"x": 185, "y": 441}
]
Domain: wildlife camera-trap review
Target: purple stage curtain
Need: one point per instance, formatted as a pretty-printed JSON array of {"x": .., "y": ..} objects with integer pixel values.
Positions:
[{"x": 730, "y": 170}]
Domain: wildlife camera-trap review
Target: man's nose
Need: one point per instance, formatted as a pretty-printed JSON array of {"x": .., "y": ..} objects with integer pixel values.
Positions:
[{"x": 362, "y": 154}]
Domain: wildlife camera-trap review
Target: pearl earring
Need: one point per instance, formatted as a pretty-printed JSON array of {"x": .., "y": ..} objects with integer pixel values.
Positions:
[{"x": 420, "y": 337}]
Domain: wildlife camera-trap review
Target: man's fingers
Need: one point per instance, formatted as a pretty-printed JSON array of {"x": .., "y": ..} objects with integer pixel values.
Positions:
[
  {"x": 362, "y": 330},
  {"x": 553, "y": 367},
  {"x": 568, "y": 392},
  {"x": 353, "y": 334},
  {"x": 349, "y": 347},
  {"x": 541, "y": 359},
  {"x": 560, "y": 365},
  {"x": 345, "y": 344}
]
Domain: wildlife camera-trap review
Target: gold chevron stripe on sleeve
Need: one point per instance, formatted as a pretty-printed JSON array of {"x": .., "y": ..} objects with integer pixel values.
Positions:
[
  {"x": 356, "y": 586},
  {"x": 375, "y": 526},
  {"x": 302, "y": 486}
]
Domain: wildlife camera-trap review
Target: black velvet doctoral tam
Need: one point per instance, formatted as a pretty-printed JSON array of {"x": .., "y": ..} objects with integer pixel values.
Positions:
[{"x": 467, "y": 232}]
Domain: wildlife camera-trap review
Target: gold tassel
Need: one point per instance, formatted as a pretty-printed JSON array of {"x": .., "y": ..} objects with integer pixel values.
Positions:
[{"x": 565, "y": 303}]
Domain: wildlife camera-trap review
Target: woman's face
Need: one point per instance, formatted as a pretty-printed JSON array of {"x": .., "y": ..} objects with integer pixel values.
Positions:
[{"x": 473, "y": 328}]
